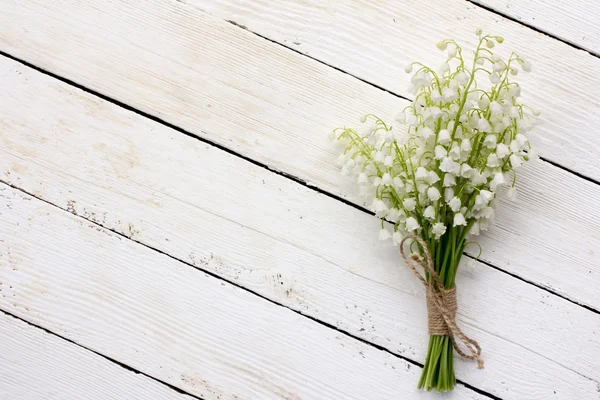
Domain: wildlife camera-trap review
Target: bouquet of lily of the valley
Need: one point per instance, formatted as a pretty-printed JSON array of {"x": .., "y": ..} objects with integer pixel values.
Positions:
[{"x": 435, "y": 183}]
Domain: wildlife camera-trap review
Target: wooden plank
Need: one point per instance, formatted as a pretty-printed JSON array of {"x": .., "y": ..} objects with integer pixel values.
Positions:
[
  {"x": 163, "y": 67},
  {"x": 175, "y": 323},
  {"x": 277, "y": 107},
  {"x": 273, "y": 236},
  {"x": 375, "y": 43},
  {"x": 36, "y": 365},
  {"x": 575, "y": 23}
]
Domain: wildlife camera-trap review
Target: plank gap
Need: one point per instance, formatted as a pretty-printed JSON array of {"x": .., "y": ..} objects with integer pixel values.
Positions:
[
  {"x": 213, "y": 275},
  {"x": 578, "y": 174},
  {"x": 112, "y": 360},
  {"x": 534, "y": 28},
  {"x": 259, "y": 164}
]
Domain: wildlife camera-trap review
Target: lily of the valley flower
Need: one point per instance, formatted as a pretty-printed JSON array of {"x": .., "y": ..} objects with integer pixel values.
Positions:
[{"x": 460, "y": 142}]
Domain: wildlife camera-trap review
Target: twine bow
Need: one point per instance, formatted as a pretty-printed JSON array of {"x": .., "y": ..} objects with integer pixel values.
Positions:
[{"x": 441, "y": 303}]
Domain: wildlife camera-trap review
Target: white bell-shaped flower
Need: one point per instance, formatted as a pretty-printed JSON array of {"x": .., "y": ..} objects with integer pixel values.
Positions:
[
  {"x": 422, "y": 187},
  {"x": 362, "y": 178},
  {"x": 440, "y": 152},
  {"x": 499, "y": 66},
  {"x": 449, "y": 180},
  {"x": 434, "y": 112},
  {"x": 514, "y": 146},
  {"x": 515, "y": 161},
  {"x": 426, "y": 132},
  {"x": 492, "y": 161},
  {"x": 421, "y": 173},
  {"x": 412, "y": 224},
  {"x": 479, "y": 202},
  {"x": 409, "y": 203},
  {"x": 397, "y": 182},
  {"x": 521, "y": 140},
  {"x": 478, "y": 178},
  {"x": 490, "y": 141},
  {"x": 432, "y": 178},
  {"x": 497, "y": 181},
  {"x": 438, "y": 229},
  {"x": 466, "y": 171},
  {"x": 368, "y": 128},
  {"x": 444, "y": 137},
  {"x": 448, "y": 194},
  {"x": 396, "y": 238},
  {"x": 449, "y": 95},
  {"x": 393, "y": 214},
  {"x": 502, "y": 150},
  {"x": 495, "y": 107},
  {"x": 447, "y": 165},
  {"x": 454, "y": 153},
  {"x": 486, "y": 195},
  {"x": 483, "y": 125},
  {"x": 462, "y": 78},
  {"x": 465, "y": 145},
  {"x": 483, "y": 102},
  {"x": 433, "y": 193},
  {"x": 429, "y": 212},
  {"x": 386, "y": 179},
  {"x": 380, "y": 208},
  {"x": 474, "y": 228},
  {"x": 459, "y": 220},
  {"x": 412, "y": 120},
  {"x": 454, "y": 204},
  {"x": 384, "y": 234},
  {"x": 511, "y": 193}
]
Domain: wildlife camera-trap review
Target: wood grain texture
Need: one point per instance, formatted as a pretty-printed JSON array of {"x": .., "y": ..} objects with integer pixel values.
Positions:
[
  {"x": 176, "y": 323},
  {"x": 573, "y": 22},
  {"x": 266, "y": 233},
  {"x": 375, "y": 41},
  {"x": 36, "y": 365},
  {"x": 276, "y": 107}
]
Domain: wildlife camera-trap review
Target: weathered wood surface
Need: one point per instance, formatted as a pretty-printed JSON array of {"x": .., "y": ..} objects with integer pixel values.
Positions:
[
  {"x": 266, "y": 233},
  {"x": 36, "y": 365},
  {"x": 575, "y": 22},
  {"x": 197, "y": 265},
  {"x": 175, "y": 323},
  {"x": 276, "y": 107},
  {"x": 375, "y": 41},
  {"x": 161, "y": 57}
]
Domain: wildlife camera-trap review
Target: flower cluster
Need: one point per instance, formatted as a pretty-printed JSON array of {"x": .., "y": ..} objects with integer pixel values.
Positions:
[{"x": 466, "y": 134}]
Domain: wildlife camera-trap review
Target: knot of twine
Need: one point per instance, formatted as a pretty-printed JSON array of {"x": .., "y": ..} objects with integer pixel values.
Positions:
[{"x": 441, "y": 303}]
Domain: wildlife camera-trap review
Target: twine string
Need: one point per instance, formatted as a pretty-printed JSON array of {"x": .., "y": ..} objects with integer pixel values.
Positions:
[{"x": 441, "y": 303}]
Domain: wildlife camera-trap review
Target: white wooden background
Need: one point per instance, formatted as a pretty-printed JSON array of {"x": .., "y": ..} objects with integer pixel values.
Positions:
[{"x": 172, "y": 225}]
